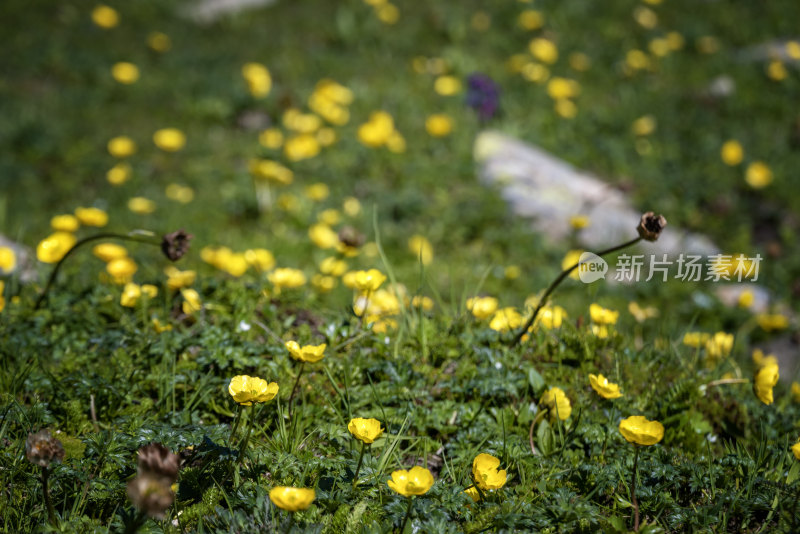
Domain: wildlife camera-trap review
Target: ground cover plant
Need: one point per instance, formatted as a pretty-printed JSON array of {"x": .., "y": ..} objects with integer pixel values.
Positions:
[{"x": 265, "y": 291}]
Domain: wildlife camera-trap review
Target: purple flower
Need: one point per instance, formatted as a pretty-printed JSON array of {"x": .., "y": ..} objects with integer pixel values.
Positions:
[{"x": 483, "y": 95}]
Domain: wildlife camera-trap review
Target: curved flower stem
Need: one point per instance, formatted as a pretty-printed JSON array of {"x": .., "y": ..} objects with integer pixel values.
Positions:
[
  {"x": 530, "y": 432},
  {"x": 358, "y": 467},
  {"x": 724, "y": 381},
  {"x": 294, "y": 388},
  {"x": 51, "y": 512},
  {"x": 408, "y": 514},
  {"x": 236, "y": 422},
  {"x": 105, "y": 235},
  {"x": 556, "y": 283},
  {"x": 633, "y": 490}
]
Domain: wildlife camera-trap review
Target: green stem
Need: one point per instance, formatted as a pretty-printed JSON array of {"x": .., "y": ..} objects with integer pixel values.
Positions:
[
  {"x": 246, "y": 440},
  {"x": 106, "y": 235},
  {"x": 408, "y": 514},
  {"x": 135, "y": 523},
  {"x": 236, "y": 422},
  {"x": 633, "y": 490},
  {"x": 358, "y": 467},
  {"x": 294, "y": 388},
  {"x": 51, "y": 512},
  {"x": 557, "y": 282}
]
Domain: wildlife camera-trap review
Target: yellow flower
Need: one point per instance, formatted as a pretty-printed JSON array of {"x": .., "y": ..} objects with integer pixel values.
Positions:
[
  {"x": 235, "y": 264},
  {"x": 760, "y": 360},
  {"x": 645, "y": 17},
  {"x": 179, "y": 193},
  {"x": 776, "y": 70},
  {"x": 323, "y": 236},
  {"x": 731, "y": 153},
  {"x": 600, "y": 331},
  {"x": 125, "y": 72},
  {"x": 141, "y": 205},
  {"x": 119, "y": 174},
  {"x": 326, "y": 136},
  {"x": 291, "y": 499},
  {"x": 579, "y": 61},
  {"x": 369, "y": 281},
  {"x": 300, "y": 147},
  {"x": 53, "y": 247},
  {"x": 544, "y": 50},
  {"x": 415, "y": 481},
  {"x": 696, "y": 339},
  {"x": 8, "y": 259},
  {"x": 642, "y": 314},
  {"x": 121, "y": 270},
  {"x": 579, "y": 222},
  {"x": 323, "y": 283},
  {"x": 121, "y": 147},
  {"x": 472, "y": 493},
  {"x": 259, "y": 82},
  {"x": 91, "y": 217},
  {"x": 130, "y": 295},
  {"x": 795, "y": 392},
  {"x": 566, "y": 108},
  {"x": 260, "y": 258},
  {"x": 64, "y": 223},
  {"x": 177, "y": 279},
  {"x": 447, "y": 85},
  {"x": 659, "y": 47},
  {"x": 377, "y": 130},
  {"x": 637, "y": 60},
  {"x": 506, "y": 319},
  {"x": 109, "y": 251},
  {"x": 486, "y": 474},
  {"x": 644, "y": 125},
  {"x": 191, "y": 301},
  {"x": 150, "y": 290},
  {"x": 333, "y": 266},
  {"x": 421, "y": 248},
  {"x": 772, "y": 321},
  {"x": 271, "y": 171},
  {"x": 2, "y": 298},
  {"x": 746, "y": 299},
  {"x": 387, "y": 13},
  {"x": 796, "y": 449},
  {"x": 758, "y": 175},
  {"x": 557, "y": 403},
  {"x": 246, "y": 390},
  {"x": 159, "y": 42},
  {"x": 317, "y": 191},
  {"x": 719, "y": 345},
  {"x": 559, "y": 88},
  {"x": 640, "y": 431},
  {"x": 572, "y": 258},
  {"x": 675, "y": 40},
  {"x": 169, "y": 139},
  {"x": 602, "y": 316},
  {"x": 306, "y": 353},
  {"x": 367, "y": 430},
  {"x": 530, "y": 19},
  {"x": 766, "y": 378},
  {"x": 396, "y": 143},
  {"x": 439, "y": 125},
  {"x": 105, "y": 17},
  {"x": 286, "y": 278},
  {"x": 159, "y": 328},
  {"x": 603, "y": 387},
  {"x": 271, "y": 138}
]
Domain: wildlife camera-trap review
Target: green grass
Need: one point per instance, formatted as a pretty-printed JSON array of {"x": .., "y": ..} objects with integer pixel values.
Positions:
[{"x": 444, "y": 385}]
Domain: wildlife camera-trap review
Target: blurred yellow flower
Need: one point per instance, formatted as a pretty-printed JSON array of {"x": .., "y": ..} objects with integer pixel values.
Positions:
[
  {"x": 91, "y": 217},
  {"x": 675, "y": 40},
  {"x": 306, "y": 353},
  {"x": 53, "y": 247},
  {"x": 472, "y": 493},
  {"x": 300, "y": 147},
  {"x": 109, "y": 251},
  {"x": 121, "y": 146},
  {"x": 600, "y": 331},
  {"x": 644, "y": 125},
  {"x": 326, "y": 136},
  {"x": 758, "y": 175},
  {"x": 169, "y": 139},
  {"x": 772, "y": 321},
  {"x": 125, "y": 72},
  {"x": 2, "y": 298},
  {"x": 506, "y": 319},
  {"x": 159, "y": 42},
  {"x": 179, "y": 193},
  {"x": 439, "y": 125},
  {"x": 557, "y": 403},
  {"x": 447, "y": 85},
  {"x": 323, "y": 236},
  {"x": 482, "y": 307},
  {"x": 795, "y": 392},
  {"x": 746, "y": 299},
  {"x": 637, "y": 60},
  {"x": 603, "y": 387},
  {"x": 291, "y": 499},
  {"x": 246, "y": 390},
  {"x": 259, "y": 81},
  {"x": 719, "y": 345},
  {"x": 707, "y": 44},
  {"x": 645, "y": 17},
  {"x": 105, "y": 17},
  {"x": 333, "y": 266},
  {"x": 132, "y": 292},
  {"x": 559, "y": 88},
  {"x": 317, "y": 191},
  {"x": 659, "y": 47},
  {"x": 421, "y": 248},
  {"x": 369, "y": 281},
  {"x": 271, "y": 171},
  {"x": 544, "y": 50},
  {"x": 565, "y": 108},
  {"x": 776, "y": 70},
  {"x": 642, "y": 314},
  {"x": 486, "y": 474},
  {"x": 387, "y": 13},
  {"x": 121, "y": 270},
  {"x": 64, "y": 223},
  {"x": 793, "y": 49},
  {"x": 637, "y": 429},
  {"x": 550, "y": 317},
  {"x": 271, "y": 138},
  {"x": 260, "y": 259},
  {"x": 765, "y": 379},
  {"x": 530, "y": 19},
  {"x": 119, "y": 173},
  {"x": 8, "y": 260},
  {"x": 602, "y": 316},
  {"x": 377, "y": 130},
  {"x": 572, "y": 258},
  {"x": 191, "y": 301},
  {"x": 177, "y": 279},
  {"x": 731, "y": 152},
  {"x": 796, "y": 449},
  {"x": 480, "y": 21},
  {"x": 422, "y": 302},
  {"x": 286, "y": 278},
  {"x": 366, "y": 430},
  {"x": 396, "y": 143},
  {"x": 141, "y": 205},
  {"x": 696, "y": 339},
  {"x": 330, "y": 217},
  {"x": 579, "y": 222},
  {"x": 415, "y": 481},
  {"x": 760, "y": 360},
  {"x": 323, "y": 283},
  {"x": 579, "y": 61}
]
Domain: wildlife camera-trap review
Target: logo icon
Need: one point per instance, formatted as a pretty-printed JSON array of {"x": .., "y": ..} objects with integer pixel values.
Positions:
[{"x": 591, "y": 268}]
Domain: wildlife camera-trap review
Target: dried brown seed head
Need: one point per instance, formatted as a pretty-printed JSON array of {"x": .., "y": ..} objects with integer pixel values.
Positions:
[
  {"x": 175, "y": 244},
  {"x": 651, "y": 226},
  {"x": 158, "y": 461},
  {"x": 41, "y": 449},
  {"x": 151, "y": 494}
]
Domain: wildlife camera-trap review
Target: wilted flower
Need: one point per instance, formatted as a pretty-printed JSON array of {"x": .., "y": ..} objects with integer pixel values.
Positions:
[
  {"x": 175, "y": 244},
  {"x": 651, "y": 226},
  {"x": 367, "y": 430},
  {"x": 53, "y": 247},
  {"x": 306, "y": 353},
  {"x": 42, "y": 449},
  {"x": 246, "y": 390},
  {"x": 125, "y": 72},
  {"x": 603, "y": 387},
  {"x": 291, "y": 499},
  {"x": 637, "y": 429},
  {"x": 482, "y": 307},
  {"x": 486, "y": 474},
  {"x": 121, "y": 147},
  {"x": 765, "y": 379},
  {"x": 415, "y": 481},
  {"x": 169, "y": 139},
  {"x": 259, "y": 81},
  {"x": 557, "y": 402}
]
